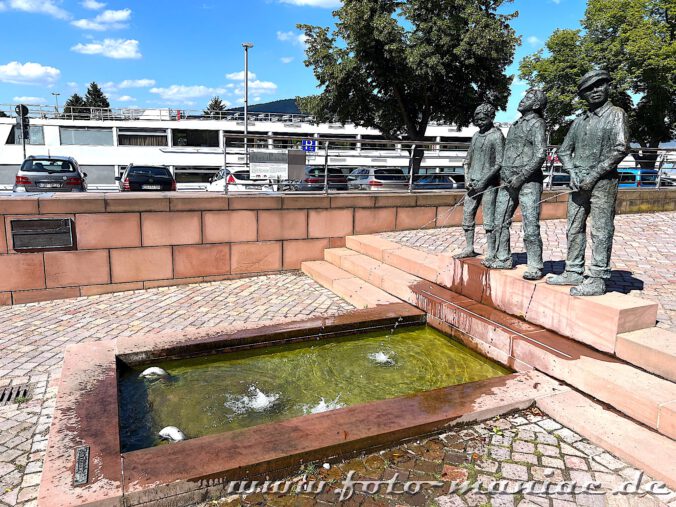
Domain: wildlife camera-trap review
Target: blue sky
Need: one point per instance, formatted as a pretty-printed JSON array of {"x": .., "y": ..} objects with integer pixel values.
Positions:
[{"x": 169, "y": 53}]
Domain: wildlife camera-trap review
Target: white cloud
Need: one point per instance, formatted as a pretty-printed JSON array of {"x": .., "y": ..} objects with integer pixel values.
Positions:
[
  {"x": 72, "y": 84},
  {"x": 93, "y": 5},
  {"x": 137, "y": 83},
  {"x": 533, "y": 40},
  {"x": 295, "y": 38},
  {"x": 239, "y": 76},
  {"x": 126, "y": 98},
  {"x": 48, "y": 7},
  {"x": 314, "y": 3},
  {"x": 286, "y": 59},
  {"x": 257, "y": 87},
  {"x": 3, "y": 7},
  {"x": 28, "y": 73},
  {"x": 557, "y": 2},
  {"x": 184, "y": 93},
  {"x": 107, "y": 20},
  {"x": 29, "y": 100},
  {"x": 111, "y": 48}
]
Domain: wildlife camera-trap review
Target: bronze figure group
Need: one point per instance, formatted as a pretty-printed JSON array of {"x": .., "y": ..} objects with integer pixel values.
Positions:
[{"x": 504, "y": 173}]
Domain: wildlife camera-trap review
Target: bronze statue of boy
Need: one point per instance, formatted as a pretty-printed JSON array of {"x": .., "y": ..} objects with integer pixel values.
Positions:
[
  {"x": 482, "y": 166},
  {"x": 596, "y": 143},
  {"x": 521, "y": 178}
]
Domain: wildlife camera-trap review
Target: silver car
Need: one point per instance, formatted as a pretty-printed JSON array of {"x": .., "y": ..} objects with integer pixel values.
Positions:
[
  {"x": 377, "y": 178},
  {"x": 50, "y": 174}
]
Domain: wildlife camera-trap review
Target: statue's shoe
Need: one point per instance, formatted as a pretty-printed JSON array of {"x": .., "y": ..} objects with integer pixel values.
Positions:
[
  {"x": 488, "y": 261},
  {"x": 533, "y": 274},
  {"x": 467, "y": 252},
  {"x": 497, "y": 264},
  {"x": 566, "y": 278},
  {"x": 590, "y": 287}
]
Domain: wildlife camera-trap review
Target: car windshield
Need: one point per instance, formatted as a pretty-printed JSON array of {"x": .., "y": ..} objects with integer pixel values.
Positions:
[
  {"x": 319, "y": 171},
  {"x": 47, "y": 166},
  {"x": 150, "y": 171}
]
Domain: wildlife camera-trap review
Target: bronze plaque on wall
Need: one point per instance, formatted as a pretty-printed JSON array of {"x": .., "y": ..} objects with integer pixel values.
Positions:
[{"x": 40, "y": 234}]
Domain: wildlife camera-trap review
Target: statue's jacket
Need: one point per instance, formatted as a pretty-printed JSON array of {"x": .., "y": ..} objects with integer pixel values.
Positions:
[
  {"x": 484, "y": 156},
  {"x": 596, "y": 142},
  {"x": 525, "y": 149}
]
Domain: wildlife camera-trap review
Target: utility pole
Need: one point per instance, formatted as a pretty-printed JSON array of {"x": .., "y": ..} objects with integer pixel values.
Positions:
[
  {"x": 56, "y": 98},
  {"x": 246, "y": 46}
]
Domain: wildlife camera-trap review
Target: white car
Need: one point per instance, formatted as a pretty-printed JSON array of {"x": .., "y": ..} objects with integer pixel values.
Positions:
[{"x": 238, "y": 181}]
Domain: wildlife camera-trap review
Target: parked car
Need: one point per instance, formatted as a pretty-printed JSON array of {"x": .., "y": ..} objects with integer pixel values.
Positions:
[
  {"x": 314, "y": 176},
  {"x": 238, "y": 181},
  {"x": 375, "y": 178},
  {"x": 636, "y": 177},
  {"x": 50, "y": 174},
  {"x": 146, "y": 178},
  {"x": 439, "y": 181}
]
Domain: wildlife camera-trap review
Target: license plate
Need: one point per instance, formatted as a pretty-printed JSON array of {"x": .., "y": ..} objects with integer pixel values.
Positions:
[
  {"x": 49, "y": 185},
  {"x": 151, "y": 187}
]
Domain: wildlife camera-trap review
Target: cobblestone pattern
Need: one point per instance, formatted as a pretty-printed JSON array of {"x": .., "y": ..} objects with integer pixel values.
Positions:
[
  {"x": 643, "y": 260},
  {"x": 33, "y": 338},
  {"x": 524, "y": 446}
]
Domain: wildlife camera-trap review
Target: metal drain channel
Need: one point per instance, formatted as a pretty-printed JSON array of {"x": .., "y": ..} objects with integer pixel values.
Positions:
[{"x": 14, "y": 394}]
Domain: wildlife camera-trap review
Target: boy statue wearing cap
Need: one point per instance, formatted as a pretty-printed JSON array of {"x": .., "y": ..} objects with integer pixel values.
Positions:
[
  {"x": 482, "y": 166},
  {"x": 521, "y": 177},
  {"x": 596, "y": 143}
]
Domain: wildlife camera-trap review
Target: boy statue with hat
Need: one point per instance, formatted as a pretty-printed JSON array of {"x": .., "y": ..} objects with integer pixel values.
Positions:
[{"x": 596, "y": 143}]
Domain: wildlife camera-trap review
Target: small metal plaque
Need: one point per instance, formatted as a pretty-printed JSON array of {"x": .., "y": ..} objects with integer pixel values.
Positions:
[
  {"x": 81, "y": 465},
  {"x": 39, "y": 234}
]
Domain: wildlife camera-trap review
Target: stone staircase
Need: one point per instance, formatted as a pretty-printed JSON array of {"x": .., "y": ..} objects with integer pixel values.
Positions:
[{"x": 606, "y": 347}]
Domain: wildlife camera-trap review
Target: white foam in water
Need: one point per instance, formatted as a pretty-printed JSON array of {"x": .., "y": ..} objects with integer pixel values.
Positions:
[
  {"x": 258, "y": 401},
  {"x": 381, "y": 358},
  {"x": 323, "y": 406}
]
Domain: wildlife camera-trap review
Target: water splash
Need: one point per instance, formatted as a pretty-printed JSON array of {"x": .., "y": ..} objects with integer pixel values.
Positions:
[
  {"x": 323, "y": 406},
  {"x": 257, "y": 401},
  {"x": 382, "y": 358}
]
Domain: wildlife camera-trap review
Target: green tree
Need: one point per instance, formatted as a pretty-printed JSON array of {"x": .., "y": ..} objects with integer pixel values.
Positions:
[
  {"x": 3, "y": 114},
  {"x": 215, "y": 107},
  {"x": 75, "y": 107},
  {"x": 397, "y": 65},
  {"x": 632, "y": 39},
  {"x": 95, "y": 97}
]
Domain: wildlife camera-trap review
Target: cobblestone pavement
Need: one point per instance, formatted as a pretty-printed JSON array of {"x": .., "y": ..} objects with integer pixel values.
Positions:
[
  {"x": 525, "y": 446},
  {"x": 643, "y": 260},
  {"x": 33, "y": 338}
]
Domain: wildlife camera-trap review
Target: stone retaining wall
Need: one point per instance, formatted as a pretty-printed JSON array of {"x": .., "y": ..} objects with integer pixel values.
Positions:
[{"x": 139, "y": 241}]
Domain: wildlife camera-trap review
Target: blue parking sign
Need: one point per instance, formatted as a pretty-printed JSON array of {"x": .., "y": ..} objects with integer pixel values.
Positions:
[{"x": 309, "y": 145}]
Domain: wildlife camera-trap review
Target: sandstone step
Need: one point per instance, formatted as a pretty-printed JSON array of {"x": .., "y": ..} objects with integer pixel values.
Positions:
[
  {"x": 520, "y": 344},
  {"x": 652, "y": 349},
  {"x": 595, "y": 321},
  {"x": 354, "y": 290},
  {"x": 637, "y": 445}
]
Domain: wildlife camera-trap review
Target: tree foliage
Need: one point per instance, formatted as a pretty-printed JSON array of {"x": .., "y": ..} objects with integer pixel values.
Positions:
[
  {"x": 396, "y": 65},
  {"x": 632, "y": 39},
  {"x": 75, "y": 107},
  {"x": 214, "y": 107},
  {"x": 3, "y": 114},
  {"x": 95, "y": 97}
]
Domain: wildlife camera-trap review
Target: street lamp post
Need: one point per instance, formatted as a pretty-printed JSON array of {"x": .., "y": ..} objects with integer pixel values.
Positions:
[
  {"x": 246, "y": 46},
  {"x": 56, "y": 98}
]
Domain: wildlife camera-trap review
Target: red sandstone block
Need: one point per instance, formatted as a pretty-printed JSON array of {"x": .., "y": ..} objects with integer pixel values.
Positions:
[
  {"x": 667, "y": 419},
  {"x": 201, "y": 260},
  {"x": 416, "y": 218},
  {"x": 19, "y": 206},
  {"x": 22, "y": 271},
  {"x": 435, "y": 199},
  {"x": 3, "y": 237},
  {"x": 330, "y": 223},
  {"x": 473, "y": 279},
  {"x": 371, "y": 220},
  {"x": 448, "y": 216},
  {"x": 324, "y": 273},
  {"x": 507, "y": 290},
  {"x": 255, "y": 202},
  {"x": 305, "y": 201},
  {"x": 229, "y": 226},
  {"x": 416, "y": 262},
  {"x": 90, "y": 267},
  {"x": 352, "y": 201},
  {"x": 335, "y": 255},
  {"x": 450, "y": 272},
  {"x": 653, "y": 349},
  {"x": 295, "y": 252},
  {"x": 282, "y": 224},
  {"x": 5, "y": 298},
  {"x": 73, "y": 203},
  {"x": 154, "y": 284},
  {"x": 553, "y": 210},
  {"x": 256, "y": 257},
  {"x": 395, "y": 200},
  {"x": 138, "y": 201},
  {"x": 338, "y": 242},
  {"x": 171, "y": 228},
  {"x": 361, "y": 294},
  {"x": 373, "y": 246},
  {"x": 95, "y": 290},
  {"x": 108, "y": 230},
  {"x": 364, "y": 267},
  {"x": 35, "y": 296},
  {"x": 140, "y": 264},
  {"x": 197, "y": 201}
]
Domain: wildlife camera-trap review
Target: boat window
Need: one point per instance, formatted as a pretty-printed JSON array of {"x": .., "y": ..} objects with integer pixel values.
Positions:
[
  {"x": 86, "y": 136},
  {"x": 343, "y": 141},
  {"x": 36, "y": 134},
  {"x": 142, "y": 137},
  {"x": 197, "y": 138}
]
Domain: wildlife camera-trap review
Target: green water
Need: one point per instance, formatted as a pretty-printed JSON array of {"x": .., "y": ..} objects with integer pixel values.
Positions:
[{"x": 241, "y": 389}]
